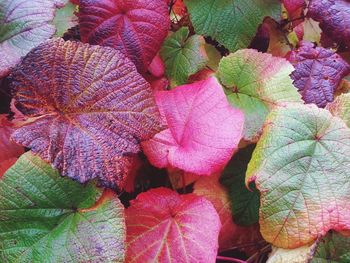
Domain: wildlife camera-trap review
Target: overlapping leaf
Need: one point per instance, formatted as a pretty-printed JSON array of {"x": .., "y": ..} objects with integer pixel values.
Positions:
[
  {"x": 340, "y": 107},
  {"x": 301, "y": 168},
  {"x": 232, "y": 23},
  {"x": 87, "y": 109},
  {"x": 163, "y": 226},
  {"x": 255, "y": 82},
  {"x": 244, "y": 203},
  {"x": 47, "y": 218},
  {"x": 135, "y": 27},
  {"x": 334, "y": 18},
  {"x": 203, "y": 129},
  {"x": 183, "y": 55},
  {"x": 24, "y": 25},
  {"x": 318, "y": 72},
  {"x": 230, "y": 234}
]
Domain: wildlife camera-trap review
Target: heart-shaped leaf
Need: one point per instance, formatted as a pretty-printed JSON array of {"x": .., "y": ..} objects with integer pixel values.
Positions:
[
  {"x": 135, "y": 27},
  {"x": 203, "y": 129},
  {"x": 301, "y": 168},
  {"x": 47, "y": 218},
  {"x": 163, "y": 226},
  {"x": 87, "y": 109},
  {"x": 334, "y": 18},
  {"x": 24, "y": 25},
  {"x": 318, "y": 72},
  {"x": 232, "y": 23},
  {"x": 183, "y": 56},
  {"x": 255, "y": 82}
]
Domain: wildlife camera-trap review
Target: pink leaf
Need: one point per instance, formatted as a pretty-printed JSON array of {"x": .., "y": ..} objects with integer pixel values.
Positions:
[
  {"x": 135, "y": 27},
  {"x": 163, "y": 226},
  {"x": 203, "y": 129}
]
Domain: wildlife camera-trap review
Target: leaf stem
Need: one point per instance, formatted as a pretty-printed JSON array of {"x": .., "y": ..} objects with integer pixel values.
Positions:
[{"x": 236, "y": 260}]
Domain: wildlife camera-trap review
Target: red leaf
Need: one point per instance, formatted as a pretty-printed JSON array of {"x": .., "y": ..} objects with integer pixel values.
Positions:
[
  {"x": 8, "y": 149},
  {"x": 87, "y": 109},
  {"x": 135, "y": 27},
  {"x": 295, "y": 9},
  {"x": 204, "y": 130},
  {"x": 5, "y": 165},
  {"x": 334, "y": 18},
  {"x": 318, "y": 71},
  {"x": 157, "y": 68},
  {"x": 163, "y": 226}
]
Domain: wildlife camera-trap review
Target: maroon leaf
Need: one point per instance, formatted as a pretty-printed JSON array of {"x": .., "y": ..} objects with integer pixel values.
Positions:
[
  {"x": 87, "y": 109},
  {"x": 135, "y": 27},
  {"x": 318, "y": 72},
  {"x": 334, "y": 18}
]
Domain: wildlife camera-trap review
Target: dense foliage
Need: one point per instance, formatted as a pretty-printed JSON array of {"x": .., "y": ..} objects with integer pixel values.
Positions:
[{"x": 175, "y": 131}]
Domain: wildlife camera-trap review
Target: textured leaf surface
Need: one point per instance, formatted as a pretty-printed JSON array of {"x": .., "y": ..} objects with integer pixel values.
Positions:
[
  {"x": 296, "y": 255},
  {"x": 183, "y": 55},
  {"x": 318, "y": 72},
  {"x": 334, "y": 18},
  {"x": 244, "y": 203},
  {"x": 135, "y": 27},
  {"x": 46, "y": 218},
  {"x": 87, "y": 109},
  {"x": 301, "y": 168},
  {"x": 232, "y": 23},
  {"x": 230, "y": 233},
  {"x": 203, "y": 129},
  {"x": 333, "y": 248},
  {"x": 255, "y": 82},
  {"x": 24, "y": 25},
  {"x": 340, "y": 107},
  {"x": 8, "y": 149},
  {"x": 163, "y": 226}
]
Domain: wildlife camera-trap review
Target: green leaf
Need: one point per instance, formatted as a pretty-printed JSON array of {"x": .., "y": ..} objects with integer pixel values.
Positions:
[
  {"x": 333, "y": 248},
  {"x": 232, "y": 23},
  {"x": 244, "y": 203},
  {"x": 301, "y": 168},
  {"x": 256, "y": 82},
  {"x": 183, "y": 55},
  {"x": 48, "y": 218},
  {"x": 65, "y": 19}
]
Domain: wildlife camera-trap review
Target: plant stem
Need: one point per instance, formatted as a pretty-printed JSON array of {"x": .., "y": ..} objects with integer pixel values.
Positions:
[{"x": 236, "y": 260}]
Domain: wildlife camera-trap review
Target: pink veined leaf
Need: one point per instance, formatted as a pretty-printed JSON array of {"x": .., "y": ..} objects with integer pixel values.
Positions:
[
  {"x": 295, "y": 9},
  {"x": 163, "y": 226},
  {"x": 157, "y": 67},
  {"x": 8, "y": 149},
  {"x": 334, "y": 18},
  {"x": 203, "y": 129},
  {"x": 135, "y": 27},
  {"x": 318, "y": 71}
]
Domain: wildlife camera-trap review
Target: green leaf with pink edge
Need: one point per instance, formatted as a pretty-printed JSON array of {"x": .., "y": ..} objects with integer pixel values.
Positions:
[
  {"x": 183, "y": 55},
  {"x": 256, "y": 82},
  {"x": 301, "y": 168},
  {"x": 45, "y": 217},
  {"x": 340, "y": 107}
]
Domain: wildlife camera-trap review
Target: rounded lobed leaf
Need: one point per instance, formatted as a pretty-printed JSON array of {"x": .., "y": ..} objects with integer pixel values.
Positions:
[
  {"x": 135, "y": 27},
  {"x": 318, "y": 72},
  {"x": 163, "y": 226},
  {"x": 334, "y": 18},
  {"x": 24, "y": 25},
  {"x": 87, "y": 109},
  {"x": 47, "y": 218},
  {"x": 256, "y": 82},
  {"x": 301, "y": 168},
  {"x": 203, "y": 129},
  {"x": 232, "y": 23},
  {"x": 183, "y": 55}
]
